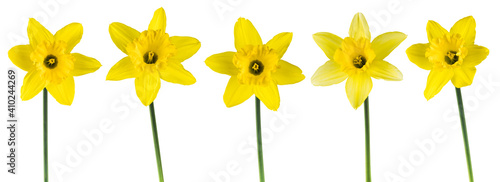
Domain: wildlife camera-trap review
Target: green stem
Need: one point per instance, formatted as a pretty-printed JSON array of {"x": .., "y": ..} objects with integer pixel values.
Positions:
[
  {"x": 259, "y": 140},
  {"x": 367, "y": 141},
  {"x": 155, "y": 137},
  {"x": 464, "y": 132},
  {"x": 45, "y": 143}
]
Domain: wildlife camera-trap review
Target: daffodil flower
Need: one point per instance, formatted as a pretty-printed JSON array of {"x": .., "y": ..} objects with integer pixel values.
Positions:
[
  {"x": 357, "y": 59},
  {"x": 50, "y": 63},
  {"x": 451, "y": 56},
  {"x": 51, "y": 66},
  {"x": 255, "y": 68},
  {"x": 151, "y": 55}
]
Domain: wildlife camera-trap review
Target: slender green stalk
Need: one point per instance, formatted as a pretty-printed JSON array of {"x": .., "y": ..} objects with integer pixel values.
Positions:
[
  {"x": 464, "y": 132},
  {"x": 45, "y": 143},
  {"x": 259, "y": 140},
  {"x": 155, "y": 137},
  {"x": 367, "y": 141}
]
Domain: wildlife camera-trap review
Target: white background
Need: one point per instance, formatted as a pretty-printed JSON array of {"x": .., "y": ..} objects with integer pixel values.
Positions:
[{"x": 315, "y": 135}]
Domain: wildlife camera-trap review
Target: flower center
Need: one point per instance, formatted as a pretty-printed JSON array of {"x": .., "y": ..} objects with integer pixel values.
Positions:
[
  {"x": 151, "y": 50},
  {"x": 150, "y": 57},
  {"x": 255, "y": 63},
  {"x": 359, "y": 61},
  {"x": 256, "y": 67},
  {"x": 447, "y": 51},
  {"x": 50, "y": 61},
  {"x": 451, "y": 57}
]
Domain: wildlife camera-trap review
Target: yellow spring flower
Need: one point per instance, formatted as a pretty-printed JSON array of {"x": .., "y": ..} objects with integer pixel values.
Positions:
[
  {"x": 357, "y": 59},
  {"x": 449, "y": 55},
  {"x": 255, "y": 68},
  {"x": 50, "y": 63},
  {"x": 152, "y": 55}
]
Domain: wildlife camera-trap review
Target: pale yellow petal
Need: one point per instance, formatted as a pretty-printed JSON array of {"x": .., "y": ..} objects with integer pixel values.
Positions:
[
  {"x": 147, "y": 86},
  {"x": 359, "y": 27},
  {"x": 434, "y": 30},
  {"x": 328, "y": 42},
  {"x": 358, "y": 87},
  {"x": 466, "y": 27},
  {"x": 463, "y": 76},
  {"x": 236, "y": 93},
  {"x": 20, "y": 56},
  {"x": 186, "y": 47},
  {"x": 37, "y": 33},
  {"x": 175, "y": 73},
  {"x": 384, "y": 44},
  {"x": 416, "y": 54},
  {"x": 222, "y": 63},
  {"x": 122, "y": 70},
  {"x": 32, "y": 84},
  {"x": 287, "y": 73},
  {"x": 437, "y": 79},
  {"x": 159, "y": 20},
  {"x": 122, "y": 35},
  {"x": 63, "y": 92},
  {"x": 245, "y": 34},
  {"x": 269, "y": 95},
  {"x": 280, "y": 43},
  {"x": 476, "y": 54},
  {"x": 380, "y": 69},
  {"x": 84, "y": 64},
  {"x": 328, "y": 74},
  {"x": 71, "y": 34}
]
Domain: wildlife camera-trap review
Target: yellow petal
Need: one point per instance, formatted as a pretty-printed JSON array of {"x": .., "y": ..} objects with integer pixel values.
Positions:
[
  {"x": 37, "y": 33},
  {"x": 416, "y": 54},
  {"x": 159, "y": 21},
  {"x": 476, "y": 54},
  {"x": 222, "y": 63},
  {"x": 384, "y": 44},
  {"x": 147, "y": 86},
  {"x": 434, "y": 30},
  {"x": 236, "y": 93},
  {"x": 328, "y": 74},
  {"x": 381, "y": 69},
  {"x": 359, "y": 27},
  {"x": 122, "y": 70},
  {"x": 245, "y": 34},
  {"x": 466, "y": 27},
  {"x": 186, "y": 47},
  {"x": 358, "y": 87},
  {"x": 269, "y": 95},
  {"x": 287, "y": 73},
  {"x": 463, "y": 76},
  {"x": 280, "y": 43},
  {"x": 437, "y": 79},
  {"x": 122, "y": 35},
  {"x": 175, "y": 73},
  {"x": 71, "y": 34},
  {"x": 328, "y": 42},
  {"x": 84, "y": 65},
  {"x": 63, "y": 92},
  {"x": 20, "y": 56},
  {"x": 32, "y": 84}
]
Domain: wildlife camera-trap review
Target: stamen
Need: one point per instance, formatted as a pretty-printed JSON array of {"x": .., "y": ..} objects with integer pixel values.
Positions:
[
  {"x": 150, "y": 57},
  {"x": 50, "y": 61},
  {"x": 451, "y": 57},
  {"x": 359, "y": 61},
  {"x": 256, "y": 67}
]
